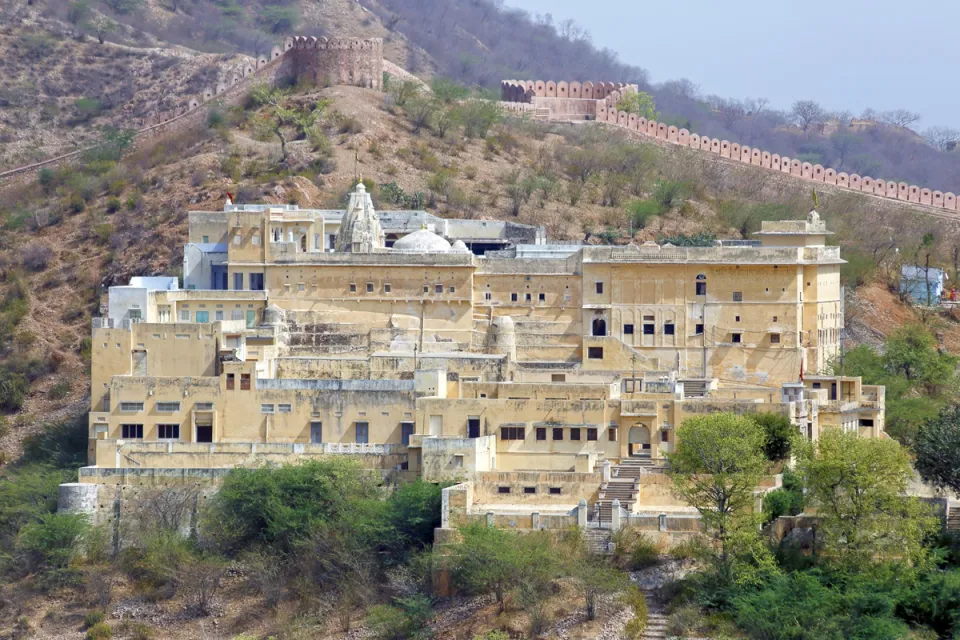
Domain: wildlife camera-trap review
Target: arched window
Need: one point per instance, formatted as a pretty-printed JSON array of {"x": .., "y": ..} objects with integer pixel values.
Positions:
[
  {"x": 701, "y": 285},
  {"x": 599, "y": 327}
]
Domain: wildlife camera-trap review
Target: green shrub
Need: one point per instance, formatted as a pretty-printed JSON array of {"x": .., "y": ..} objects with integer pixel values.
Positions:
[
  {"x": 93, "y": 618},
  {"x": 216, "y": 118},
  {"x": 113, "y": 204},
  {"x": 63, "y": 444},
  {"x": 99, "y": 631},
  {"x": 60, "y": 390},
  {"x": 637, "y": 601},
  {"x": 87, "y": 108},
  {"x": 643, "y": 553},
  {"x": 641, "y": 212},
  {"x": 406, "y": 619},
  {"x": 779, "y": 435},
  {"x": 13, "y": 390},
  {"x": 49, "y": 546}
]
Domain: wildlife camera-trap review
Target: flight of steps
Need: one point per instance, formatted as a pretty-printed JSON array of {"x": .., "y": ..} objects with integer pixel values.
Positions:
[
  {"x": 598, "y": 541},
  {"x": 633, "y": 467},
  {"x": 656, "y": 627},
  {"x": 541, "y": 113},
  {"x": 953, "y": 519}
]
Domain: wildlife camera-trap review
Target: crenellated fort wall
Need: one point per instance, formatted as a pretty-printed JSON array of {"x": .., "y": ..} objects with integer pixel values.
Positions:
[
  {"x": 339, "y": 61},
  {"x": 334, "y": 61},
  {"x": 550, "y": 99}
]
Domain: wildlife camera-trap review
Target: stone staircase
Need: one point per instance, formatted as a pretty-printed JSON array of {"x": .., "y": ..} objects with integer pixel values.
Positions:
[
  {"x": 541, "y": 113},
  {"x": 598, "y": 541},
  {"x": 656, "y": 627},
  {"x": 632, "y": 467},
  {"x": 953, "y": 518}
]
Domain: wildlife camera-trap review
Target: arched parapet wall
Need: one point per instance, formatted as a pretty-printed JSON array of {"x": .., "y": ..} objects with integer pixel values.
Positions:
[
  {"x": 926, "y": 196},
  {"x": 913, "y": 194},
  {"x": 672, "y": 134},
  {"x": 350, "y": 61},
  {"x": 724, "y": 148},
  {"x": 683, "y": 138},
  {"x": 818, "y": 173},
  {"x": 938, "y": 199},
  {"x": 694, "y": 141},
  {"x": 830, "y": 176},
  {"x": 843, "y": 180},
  {"x": 734, "y": 151},
  {"x": 949, "y": 201},
  {"x": 806, "y": 171}
]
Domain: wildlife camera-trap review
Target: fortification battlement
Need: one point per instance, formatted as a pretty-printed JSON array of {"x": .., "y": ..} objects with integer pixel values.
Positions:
[
  {"x": 310, "y": 42},
  {"x": 607, "y": 95},
  {"x": 526, "y": 90}
]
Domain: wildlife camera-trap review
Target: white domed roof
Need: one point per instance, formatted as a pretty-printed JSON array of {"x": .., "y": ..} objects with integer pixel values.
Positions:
[
  {"x": 459, "y": 247},
  {"x": 422, "y": 241}
]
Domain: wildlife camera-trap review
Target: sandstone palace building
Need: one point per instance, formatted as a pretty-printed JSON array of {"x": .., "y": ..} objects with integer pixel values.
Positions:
[{"x": 544, "y": 377}]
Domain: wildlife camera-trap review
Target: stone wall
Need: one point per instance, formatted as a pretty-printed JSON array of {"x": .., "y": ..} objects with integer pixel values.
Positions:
[
  {"x": 556, "y": 97},
  {"x": 336, "y": 61},
  {"x": 339, "y": 61}
]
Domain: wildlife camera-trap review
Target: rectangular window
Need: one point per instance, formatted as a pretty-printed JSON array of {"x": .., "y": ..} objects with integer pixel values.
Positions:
[
  {"x": 386, "y": 287},
  {"x": 131, "y": 407},
  {"x": 353, "y": 287},
  {"x": 558, "y": 433},
  {"x": 554, "y": 491},
  {"x": 628, "y": 329},
  {"x": 774, "y": 318},
  {"x": 541, "y": 297},
  {"x": 168, "y": 407},
  {"x": 236, "y": 239},
  {"x": 591, "y": 434},
  {"x": 574, "y": 434},
  {"x": 541, "y": 433},
  {"x": 528, "y": 297},
  {"x": 558, "y": 377},
  {"x": 774, "y": 338},
  {"x": 599, "y": 287},
  {"x": 669, "y": 329},
  {"x": 514, "y": 297},
  {"x": 131, "y": 431},
  {"x": 457, "y": 461},
  {"x": 513, "y": 433},
  {"x": 473, "y": 427},
  {"x": 612, "y": 435},
  {"x": 218, "y": 316},
  {"x": 255, "y": 240},
  {"x": 487, "y": 296},
  {"x": 238, "y": 282},
  {"x": 203, "y": 406},
  {"x": 530, "y": 490},
  {"x": 185, "y": 315},
  {"x": 595, "y": 353},
  {"x": 451, "y": 289},
  {"x": 406, "y": 430},
  {"x": 363, "y": 432},
  {"x": 266, "y": 408},
  {"x": 369, "y": 287},
  {"x": 648, "y": 329},
  {"x": 664, "y": 435},
  {"x": 736, "y": 318},
  {"x": 245, "y": 382},
  {"x": 206, "y": 239},
  {"x": 438, "y": 288},
  {"x": 738, "y": 296},
  {"x": 230, "y": 381},
  {"x": 701, "y": 288},
  {"x": 284, "y": 408},
  {"x": 168, "y": 431},
  {"x": 698, "y": 330},
  {"x": 736, "y": 338},
  {"x": 203, "y": 317},
  {"x": 301, "y": 286},
  {"x": 503, "y": 490},
  {"x": 316, "y": 432},
  {"x": 256, "y": 282}
]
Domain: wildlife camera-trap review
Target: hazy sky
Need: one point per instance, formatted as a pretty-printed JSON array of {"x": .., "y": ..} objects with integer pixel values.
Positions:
[{"x": 845, "y": 54}]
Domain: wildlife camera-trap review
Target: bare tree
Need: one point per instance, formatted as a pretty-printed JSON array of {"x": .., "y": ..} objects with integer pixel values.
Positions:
[
  {"x": 755, "y": 106},
  {"x": 199, "y": 581},
  {"x": 942, "y": 138},
  {"x": 899, "y": 117},
  {"x": 728, "y": 110},
  {"x": 807, "y": 113}
]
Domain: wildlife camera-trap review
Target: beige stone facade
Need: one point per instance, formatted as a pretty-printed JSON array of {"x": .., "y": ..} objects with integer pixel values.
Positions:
[{"x": 538, "y": 372}]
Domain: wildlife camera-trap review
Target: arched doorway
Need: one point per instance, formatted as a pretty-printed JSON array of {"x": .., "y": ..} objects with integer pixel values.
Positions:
[
  {"x": 638, "y": 440},
  {"x": 599, "y": 327}
]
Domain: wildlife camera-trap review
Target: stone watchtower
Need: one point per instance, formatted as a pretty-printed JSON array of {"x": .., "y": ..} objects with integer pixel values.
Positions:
[
  {"x": 333, "y": 61},
  {"x": 360, "y": 231}
]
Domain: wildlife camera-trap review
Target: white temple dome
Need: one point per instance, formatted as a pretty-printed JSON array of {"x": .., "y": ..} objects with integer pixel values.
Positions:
[
  {"x": 459, "y": 246},
  {"x": 422, "y": 241}
]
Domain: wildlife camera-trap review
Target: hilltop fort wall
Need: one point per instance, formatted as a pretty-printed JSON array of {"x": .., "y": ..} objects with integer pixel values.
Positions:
[
  {"x": 551, "y": 100},
  {"x": 320, "y": 60}
]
